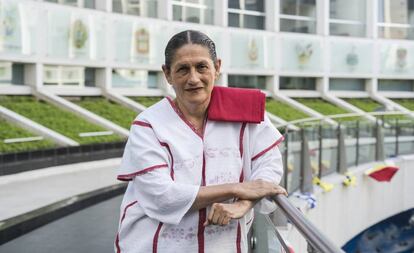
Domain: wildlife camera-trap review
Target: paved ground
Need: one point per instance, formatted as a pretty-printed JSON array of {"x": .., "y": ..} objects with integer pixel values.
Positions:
[
  {"x": 24, "y": 192},
  {"x": 90, "y": 230}
]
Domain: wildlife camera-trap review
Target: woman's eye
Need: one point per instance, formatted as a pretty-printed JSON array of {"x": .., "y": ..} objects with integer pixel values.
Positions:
[{"x": 202, "y": 67}]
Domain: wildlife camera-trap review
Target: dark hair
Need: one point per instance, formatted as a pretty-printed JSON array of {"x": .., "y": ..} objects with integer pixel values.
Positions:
[{"x": 188, "y": 37}]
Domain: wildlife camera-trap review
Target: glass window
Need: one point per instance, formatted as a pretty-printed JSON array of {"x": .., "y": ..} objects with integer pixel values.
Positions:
[
  {"x": 65, "y": 2},
  {"x": 89, "y": 4},
  {"x": 11, "y": 73},
  {"x": 243, "y": 81},
  {"x": 298, "y": 16},
  {"x": 143, "y": 8},
  {"x": 347, "y": 17},
  {"x": 67, "y": 76},
  {"x": 134, "y": 78},
  {"x": 347, "y": 84},
  {"x": 396, "y": 19},
  {"x": 90, "y": 77},
  {"x": 246, "y": 14},
  {"x": 297, "y": 83},
  {"x": 194, "y": 11},
  {"x": 396, "y": 85}
]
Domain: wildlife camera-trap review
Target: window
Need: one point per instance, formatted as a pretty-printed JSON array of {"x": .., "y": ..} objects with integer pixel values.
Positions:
[
  {"x": 298, "y": 16},
  {"x": 347, "y": 17},
  {"x": 194, "y": 11},
  {"x": 143, "y": 8},
  {"x": 69, "y": 76},
  {"x": 396, "y": 85},
  {"x": 347, "y": 84},
  {"x": 65, "y": 2},
  {"x": 134, "y": 78},
  {"x": 297, "y": 83},
  {"x": 396, "y": 19},
  {"x": 11, "y": 73},
  {"x": 243, "y": 81},
  {"x": 246, "y": 14}
]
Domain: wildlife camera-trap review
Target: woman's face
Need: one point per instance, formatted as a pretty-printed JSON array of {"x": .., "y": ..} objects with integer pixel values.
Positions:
[{"x": 192, "y": 74}]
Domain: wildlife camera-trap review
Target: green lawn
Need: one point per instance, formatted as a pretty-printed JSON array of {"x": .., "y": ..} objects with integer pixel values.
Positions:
[
  {"x": 108, "y": 109},
  {"x": 50, "y": 116},
  {"x": 324, "y": 107},
  {"x": 146, "y": 101},
  {"x": 370, "y": 105},
  {"x": 407, "y": 103},
  {"x": 283, "y": 110},
  {"x": 11, "y": 131}
]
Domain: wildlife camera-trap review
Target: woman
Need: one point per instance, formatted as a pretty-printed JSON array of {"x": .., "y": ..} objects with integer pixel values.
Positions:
[{"x": 194, "y": 170}]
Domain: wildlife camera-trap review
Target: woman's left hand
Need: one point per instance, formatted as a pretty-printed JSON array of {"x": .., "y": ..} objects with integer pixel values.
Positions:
[{"x": 221, "y": 213}]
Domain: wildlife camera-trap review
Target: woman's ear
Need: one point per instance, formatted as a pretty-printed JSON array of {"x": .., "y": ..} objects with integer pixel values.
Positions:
[
  {"x": 167, "y": 73},
  {"x": 217, "y": 66}
]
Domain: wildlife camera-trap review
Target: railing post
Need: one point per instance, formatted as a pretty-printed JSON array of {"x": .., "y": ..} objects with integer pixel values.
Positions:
[
  {"x": 305, "y": 166},
  {"x": 320, "y": 151},
  {"x": 397, "y": 134},
  {"x": 342, "y": 164},
  {"x": 285, "y": 160},
  {"x": 379, "y": 145},
  {"x": 357, "y": 143}
]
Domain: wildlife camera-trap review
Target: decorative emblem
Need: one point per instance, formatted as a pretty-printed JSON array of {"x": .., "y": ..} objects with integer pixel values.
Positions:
[
  {"x": 142, "y": 41},
  {"x": 401, "y": 58},
  {"x": 304, "y": 53},
  {"x": 80, "y": 34},
  {"x": 352, "y": 58},
  {"x": 253, "y": 50}
]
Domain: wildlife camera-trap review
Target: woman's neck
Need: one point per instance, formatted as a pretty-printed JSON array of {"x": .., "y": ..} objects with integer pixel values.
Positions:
[{"x": 195, "y": 114}]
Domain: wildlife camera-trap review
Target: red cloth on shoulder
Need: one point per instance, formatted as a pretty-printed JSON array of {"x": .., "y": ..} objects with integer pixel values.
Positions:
[{"x": 237, "y": 105}]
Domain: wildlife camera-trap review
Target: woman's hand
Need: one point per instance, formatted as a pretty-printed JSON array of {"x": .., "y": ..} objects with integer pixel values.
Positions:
[
  {"x": 257, "y": 189},
  {"x": 221, "y": 213}
]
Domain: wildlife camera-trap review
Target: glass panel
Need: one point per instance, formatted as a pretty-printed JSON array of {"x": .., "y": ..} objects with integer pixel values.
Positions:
[
  {"x": 117, "y": 6},
  {"x": 240, "y": 81},
  {"x": 254, "y": 5},
  {"x": 347, "y": 84},
  {"x": 6, "y": 72},
  {"x": 209, "y": 16},
  {"x": 209, "y": 3},
  {"x": 312, "y": 135},
  {"x": 357, "y": 30},
  {"x": 389, "y": 132},
  {"x": 401, "y": 12},
  {"x": 152, "y": 80},
  {"x": 367, "y": 142},
  {"x": 297, "y": 26},
  {"x": 70, "y": 2},
  {"x": 405, "y": 137},
  {"x": 350, "y": 143},
  {"x": 348, "y": 10},
  {"x": 89, "y": 4},
  {"x": 397, "y": 59},
  {"x": 396, "y": 85},
  {"x": 129, "y": 78},
  {"x": 294, "y": 160},
  {"x": 234, "y": 4},
  {"x": 234, "y": 20},
  {"x": 177, "y": 13},
  {"x": 297, "y": 83},
  {"x": 351, "y": 57},
  {"x": 192, "y": 14},
  {"x": 298, "y": 7},
  {"x": 253, "y": 22},
  {"x": 90, "y": 77},
  {"x": 396, "y": 32},
  {"x": 151, "y": 9},
  {"x": 329, "y": 149}
]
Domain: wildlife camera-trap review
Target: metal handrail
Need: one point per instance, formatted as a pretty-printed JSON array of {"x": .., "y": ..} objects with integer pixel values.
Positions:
[
  {"x": 344, "y": 115},
  {"x": 312, "y": 234}
]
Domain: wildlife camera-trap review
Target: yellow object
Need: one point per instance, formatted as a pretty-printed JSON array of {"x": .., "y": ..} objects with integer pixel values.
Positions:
[
  {"x": 326, "y": 187},
  {"x": 350, "y": 179}
]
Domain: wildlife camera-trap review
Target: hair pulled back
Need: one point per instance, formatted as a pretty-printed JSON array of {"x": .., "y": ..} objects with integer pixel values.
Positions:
[{"x": 188, "y": 37}]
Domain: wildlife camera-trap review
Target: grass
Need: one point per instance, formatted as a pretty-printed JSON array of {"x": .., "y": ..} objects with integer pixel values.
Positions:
[
  {"x": 283, "y": 110},
  {"x": 108, "y": 109},
  {"x": 50, "y": 116},
  {"x": 324, "y": 107},
  {"x": 10, "y": 131},
  {"x": 370, "y": 105},
  {"x": 407, "y": 103},
  {"x": 146, "y": 101}
]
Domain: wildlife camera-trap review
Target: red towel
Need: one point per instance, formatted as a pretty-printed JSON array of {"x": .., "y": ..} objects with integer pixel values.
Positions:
[
  {"x": 237, "y": 105},
  {"x": 384, "y": 174}
]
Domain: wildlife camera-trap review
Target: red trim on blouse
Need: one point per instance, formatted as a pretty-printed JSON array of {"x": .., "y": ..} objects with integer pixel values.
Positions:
[
  {"x": 164, "y": 144},
  {"x": 118, "y": 248},
  {"x": 181, "y": 115},
  {"x": 129, "y": 176},
  {"x": 155, "y": 240},
  {"x": 141, "y": 123},
  {"x": 269, "y": 148},
  {"x": 202, "y": 214}
]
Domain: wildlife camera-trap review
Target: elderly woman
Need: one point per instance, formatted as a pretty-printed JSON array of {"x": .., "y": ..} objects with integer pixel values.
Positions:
[{"x": 197, "y": 164}]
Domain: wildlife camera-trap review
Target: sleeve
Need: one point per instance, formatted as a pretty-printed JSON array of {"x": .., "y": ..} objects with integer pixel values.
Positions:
[
  {"x": 266, "y": 161},
  {"x": 146, "y": 164}
]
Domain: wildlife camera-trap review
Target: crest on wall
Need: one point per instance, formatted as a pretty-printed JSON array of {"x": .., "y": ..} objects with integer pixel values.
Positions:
[
  {"x": 79, "y": 33},
  {"x": 304, "y": 52},
  {"x": 253, "y": 52},
  {"x": 401, "y": 58},
  {"x": 142, "y": 41},
  {"x": 352, "y": 58}
]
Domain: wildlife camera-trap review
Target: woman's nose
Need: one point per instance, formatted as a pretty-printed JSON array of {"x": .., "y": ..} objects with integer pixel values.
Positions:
[{"x": 194, "y": 78}]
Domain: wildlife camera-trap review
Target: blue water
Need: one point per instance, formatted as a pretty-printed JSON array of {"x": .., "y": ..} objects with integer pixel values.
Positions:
[{"x": 393, "y": 235}]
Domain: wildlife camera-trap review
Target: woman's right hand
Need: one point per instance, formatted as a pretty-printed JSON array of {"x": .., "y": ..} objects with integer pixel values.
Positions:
[{"x": 257, "y": 189}]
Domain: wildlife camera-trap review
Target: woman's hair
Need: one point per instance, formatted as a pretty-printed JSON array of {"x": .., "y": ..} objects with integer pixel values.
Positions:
[{"x": 188, "y": 37}]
